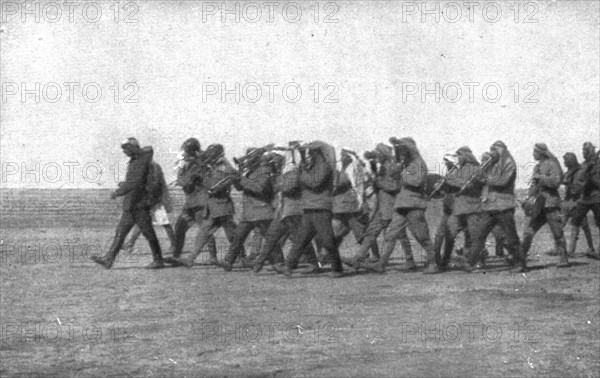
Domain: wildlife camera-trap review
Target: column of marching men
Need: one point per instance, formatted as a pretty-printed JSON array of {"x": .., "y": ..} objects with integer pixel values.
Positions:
[{"x": 314, "y": 195}]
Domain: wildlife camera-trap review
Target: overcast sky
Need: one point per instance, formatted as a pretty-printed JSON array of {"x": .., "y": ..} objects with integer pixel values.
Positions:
[{"x": 369, "y": 68}]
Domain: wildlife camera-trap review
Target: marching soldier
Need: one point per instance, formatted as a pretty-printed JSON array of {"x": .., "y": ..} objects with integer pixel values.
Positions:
[
  {"x": 189, "y": 177},
  {"x": 387, "y": 187},
  {"x": 467, "y": 203},
  {"x": 160, "y": 202},
  {"x": 317, "y": 183},
  {"x": 499, "y": 203},
  {"x": 546, "y": 180},
  {"x": 589, "y": 186},
  {"x": 573, "y": 175},
  {"x": 409, "y": 209},
  {"x": 136, "y": 209},
  {"x": 348, "y": 201},
  {"x": 219, "y": 209},
  {"x": 287, "y": 218},
  {"x": 257, "y": 212}
]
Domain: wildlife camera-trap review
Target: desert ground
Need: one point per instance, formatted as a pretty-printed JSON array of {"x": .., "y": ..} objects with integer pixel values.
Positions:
[{"x": 62, "y": 315}]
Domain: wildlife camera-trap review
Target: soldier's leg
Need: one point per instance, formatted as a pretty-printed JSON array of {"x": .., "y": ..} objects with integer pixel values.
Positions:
[
  {"x": 273, "y": 235},
  {"x": 205, "y": 232},
  {"x": 301, "y": 239},
  {"x": 452, "y": 229},
  {"x": 585, "y": 226},
  {"x": 596, "y": 211},
  {"x": 358, "y": 230},
  {"x": 144, "y": 221},
  {"x": 182, "y": 225},
  {"x": 375, "y": 227},
  {"x": 554, "y": 219},
  {"x": 263, "y": 229},
  {"x": 506, "y": 219},
  {"x": 134, "y": 234},
  {"x": 480, "y": 225},
  {"x": 256, "y": 242},
  {"x": 340, "y": 224},
  {"x": 242, "y": 231},
  {"x": 126, "y": 222},
  {"x": 438, "y": 240},
  {"x": 322, "y": 223},
  {"x": 395, "y": 230},
  {"x": 229, "y": 227},
  {"x": 499, "y": 240},
  {"x": 530, "y": 231},
  {"x": 420, "y": 230},
  {"x": 472, "y": 228}
]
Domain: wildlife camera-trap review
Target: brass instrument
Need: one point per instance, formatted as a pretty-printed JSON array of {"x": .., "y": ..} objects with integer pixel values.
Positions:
[
  {"x": 440, "y": 185},
  {"x": 400, "y": 149},
  {"x": 472, "y": 178}
]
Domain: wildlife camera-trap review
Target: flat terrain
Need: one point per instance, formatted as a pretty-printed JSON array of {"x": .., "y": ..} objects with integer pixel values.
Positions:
[{"x": 63, "y": 315}]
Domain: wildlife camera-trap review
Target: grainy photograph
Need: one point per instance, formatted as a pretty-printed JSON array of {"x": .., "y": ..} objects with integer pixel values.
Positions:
[{"x": 299, "y": 188}]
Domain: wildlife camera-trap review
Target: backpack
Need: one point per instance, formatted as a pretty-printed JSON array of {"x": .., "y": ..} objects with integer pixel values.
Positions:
[{"x": 154, "y": 186}]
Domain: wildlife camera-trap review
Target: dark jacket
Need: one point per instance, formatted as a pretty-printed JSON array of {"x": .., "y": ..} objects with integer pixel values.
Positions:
[
  {"x": 219, "y": 204},
  {"x": 345, "y": 199},
  {"x": 412, "y": 180},
  {"x": 589, "y": 181},
  {"x": 547, "y": 185},
  {"x": 469, "y": 201},
  {"x": 258, "y": 193},
  {"x": 158, "y": 191},
  {"x": 571, "y": 176},
  {"x": 133, "y": 189},
  {"x": 316, "y": 184},
  {"x": 499, "y": 179},
  {"x": 387, "y": 189},
  {"x": 190, "y": 177},
  {"x": 291, "y": 194}
]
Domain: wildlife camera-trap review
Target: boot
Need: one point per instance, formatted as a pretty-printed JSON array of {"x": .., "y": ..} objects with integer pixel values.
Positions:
[
  {"x": 104, "y": 261},
  {"x": 188, "y": 262},
  {"x": 258, "y": 265},
  {"x": 379, "y": 266},
  {"x": 157, "y": 264},
  {"x": 411, "y": 266},
  {"x": 226, "y": 265}
]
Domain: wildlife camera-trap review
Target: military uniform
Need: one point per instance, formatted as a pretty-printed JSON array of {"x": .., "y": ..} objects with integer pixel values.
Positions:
[
  {"x": 387, "y": 188},
  {"x": 547, "y": 179},
  {"x": 589, "y": 186},
  {"x": 257, "y": 208},
  {"x": 499, "y": 204},
  {"x": 466, "y": 205},
  {"x": 136, "y": 208},
  {"x": 287, "y": 219},
  {"x": 160, "y": 206},
  {"x": 194, "y": 207},
  {"x": 219, "y": 210},
  {"x": 569, "y": 203},
  {"x": 316, "y": 182},
  {"x": 347, "y": 212},
  {"x": 409, "y": 211}
]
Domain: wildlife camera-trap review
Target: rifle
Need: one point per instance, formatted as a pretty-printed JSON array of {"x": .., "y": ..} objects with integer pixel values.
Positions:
[{"x": 472, "y": 178}]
